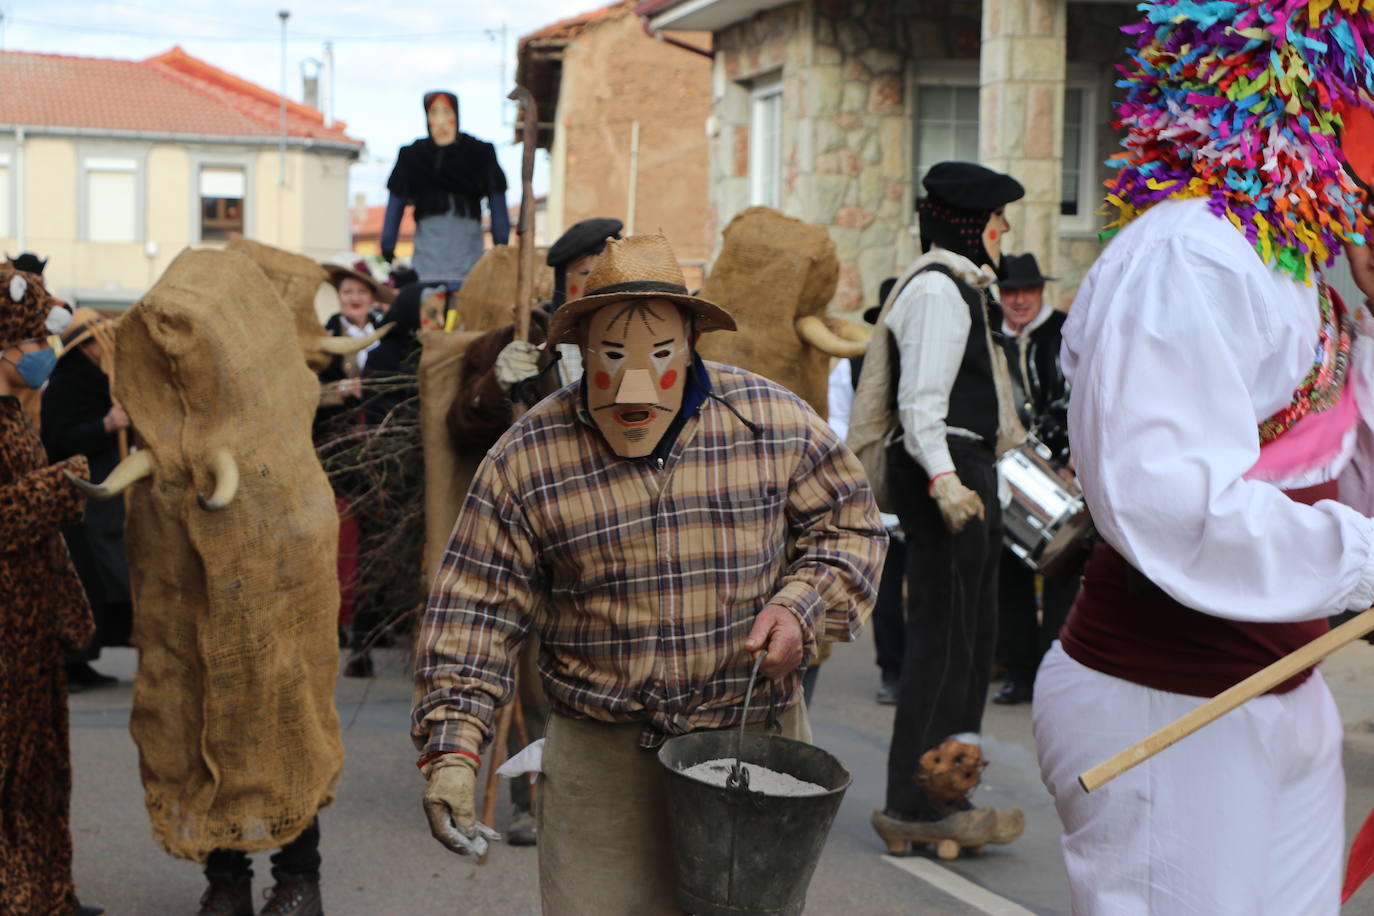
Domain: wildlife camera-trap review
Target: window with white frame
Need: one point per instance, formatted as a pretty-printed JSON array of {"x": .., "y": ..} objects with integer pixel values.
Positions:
[
  {"x": 1081, "y": 192},
  {"x": 946, "y": 124},
  {"x": 6, "y": 224},
  {"x": 222, "y": 193},
  {"x": 111, "y": 199},
  {"x": 765, "y": 143}
]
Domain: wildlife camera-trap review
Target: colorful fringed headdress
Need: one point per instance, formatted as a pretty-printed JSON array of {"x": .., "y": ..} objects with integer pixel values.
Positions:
[{"x": 1240, "y": 102}]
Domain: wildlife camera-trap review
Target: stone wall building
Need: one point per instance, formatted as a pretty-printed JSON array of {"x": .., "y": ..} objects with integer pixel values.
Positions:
[
  {"x": 624, "y": 118},
  {"x": 832, "y": 110}
]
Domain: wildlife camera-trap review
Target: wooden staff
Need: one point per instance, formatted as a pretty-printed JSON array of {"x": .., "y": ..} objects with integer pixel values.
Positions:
[
  {"x": 524, "y": 286},
  {"x": 1260, "y": 682},
  {"x": 492, "y": 793}
]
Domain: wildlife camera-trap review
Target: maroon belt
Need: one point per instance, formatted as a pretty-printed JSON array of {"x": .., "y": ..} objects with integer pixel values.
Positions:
[{"x": 1126, "y": 626}]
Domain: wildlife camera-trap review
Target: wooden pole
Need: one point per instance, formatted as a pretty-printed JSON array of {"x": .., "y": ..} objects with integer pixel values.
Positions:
[
  {"x": 524, "y": 288},
  {"x": 1256, "y": 684},
  {"x": 492, "y": 793}
]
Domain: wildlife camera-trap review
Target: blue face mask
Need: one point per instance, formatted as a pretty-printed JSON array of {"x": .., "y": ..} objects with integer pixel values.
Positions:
[{"x": 34, "y": 368}]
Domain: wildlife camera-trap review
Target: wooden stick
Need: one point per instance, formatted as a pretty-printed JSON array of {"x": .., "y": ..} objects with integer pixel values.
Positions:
[
  {"x": 492, "y": 793},
  {"x": 1260, "y": 682},
  {"x": 522, "y": 737},
  {"x": 524, "y": 286}
]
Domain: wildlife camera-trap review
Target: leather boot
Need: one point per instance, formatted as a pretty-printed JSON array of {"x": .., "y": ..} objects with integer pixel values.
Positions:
[
  {"x": 228, "y": 896},
  {"x": 292, "y": 897}
]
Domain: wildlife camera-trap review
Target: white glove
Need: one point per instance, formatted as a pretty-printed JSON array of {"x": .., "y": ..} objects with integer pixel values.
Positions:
[
  {"x": 517, "y": 361},
  {"x": 450, "y": 807},
  {"x": 958, "y": 504}
]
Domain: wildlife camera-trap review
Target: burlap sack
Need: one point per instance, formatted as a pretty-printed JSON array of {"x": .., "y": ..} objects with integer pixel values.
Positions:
[
  {"x": 297, "y": 280},
  {"x": 235, "y": 610},
  {"x": 447, "y": 473},
  {"x": 772, "y": 270},
  {"x": 487, "y": 298}
]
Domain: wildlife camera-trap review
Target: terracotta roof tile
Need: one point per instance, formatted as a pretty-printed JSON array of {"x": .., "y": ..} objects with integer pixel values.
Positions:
[
  {"x": 172, "y": 93},
  {"x": 565, "y": 30}
]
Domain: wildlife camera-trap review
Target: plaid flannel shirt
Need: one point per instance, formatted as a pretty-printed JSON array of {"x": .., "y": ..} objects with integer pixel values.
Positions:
[{"x": 642, "y": 581}]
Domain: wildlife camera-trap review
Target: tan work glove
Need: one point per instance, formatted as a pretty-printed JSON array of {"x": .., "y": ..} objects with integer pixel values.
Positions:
[
  {"x": 958, "y": 504},
  {"x": 450, "y": 807},
  {"x": 517, "y": 361}
]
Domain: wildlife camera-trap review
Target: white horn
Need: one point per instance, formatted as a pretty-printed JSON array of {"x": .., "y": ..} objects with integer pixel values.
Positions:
[
  {"x": 128, "y": 472},
  {"x": 226, "y": 473},
  {"x": 343, "y": 346},
  {"x": 815, "y": 332}
]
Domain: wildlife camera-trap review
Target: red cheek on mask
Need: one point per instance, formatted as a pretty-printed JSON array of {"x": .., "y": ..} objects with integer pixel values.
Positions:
[
  {"x": 603, "y": 381},
  {"x": 992, "y": 234},
  {"x": 669, "y": 379},
  {"x": 573, "y": 290}
]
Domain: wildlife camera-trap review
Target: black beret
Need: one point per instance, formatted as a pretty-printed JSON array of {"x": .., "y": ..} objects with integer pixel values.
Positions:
[
  {"x": 584, "y": 238},
  {"x": 969, "y": 186}
]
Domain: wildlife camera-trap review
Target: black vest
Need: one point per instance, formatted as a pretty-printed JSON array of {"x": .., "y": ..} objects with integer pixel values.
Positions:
[{"x": 973, "y": 400}]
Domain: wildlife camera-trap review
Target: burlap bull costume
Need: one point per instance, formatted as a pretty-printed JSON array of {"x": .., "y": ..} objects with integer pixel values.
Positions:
[
  {"x": 231, "y": 538},
  {"x": 777, "y": 273}
]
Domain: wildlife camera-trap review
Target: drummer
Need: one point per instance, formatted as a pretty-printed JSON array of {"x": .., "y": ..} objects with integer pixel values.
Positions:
[
  {"x": 954, "y": 411},
  {"x": 1031, "y": 334},
  {"x": 656, "y": 527}
]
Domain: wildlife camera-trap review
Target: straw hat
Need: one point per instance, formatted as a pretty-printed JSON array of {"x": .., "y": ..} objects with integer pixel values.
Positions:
[
  {"x": 338, "y": 272},
  {"x": 639, "y": 267}
]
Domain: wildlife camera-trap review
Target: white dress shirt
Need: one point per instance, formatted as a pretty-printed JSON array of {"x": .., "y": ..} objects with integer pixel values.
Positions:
[
  {"x": 1180, "y": 342},
  {"x": 352, "y": 330},
  {"x": 930, "y": 322},
  {"x": 840, "y": 397}
]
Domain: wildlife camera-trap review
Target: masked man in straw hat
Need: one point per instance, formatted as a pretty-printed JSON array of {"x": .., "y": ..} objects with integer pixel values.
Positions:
[
  {"x": 1219, "y": 426},
  {"x": 656, "y": 524}
]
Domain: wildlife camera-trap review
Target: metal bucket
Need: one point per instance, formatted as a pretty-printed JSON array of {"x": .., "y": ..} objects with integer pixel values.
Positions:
[{"x": 740, "y": 852}]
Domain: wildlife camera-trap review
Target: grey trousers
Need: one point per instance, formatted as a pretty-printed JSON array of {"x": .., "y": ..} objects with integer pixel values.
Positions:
[{"x": 604, "y": 843}]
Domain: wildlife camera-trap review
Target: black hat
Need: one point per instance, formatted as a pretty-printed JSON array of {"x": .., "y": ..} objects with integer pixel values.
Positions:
[
  {"x": 884, "y": 290},
  {"x": 583, "y": 238},
  {"x": 27, "y": 262},
  {"x": 1020, "y": 270},
  {"x": 969, "y": 186}
]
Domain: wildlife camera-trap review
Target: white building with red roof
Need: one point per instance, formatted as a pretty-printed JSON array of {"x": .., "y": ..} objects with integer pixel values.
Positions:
[{"x": 109, "y": 168}]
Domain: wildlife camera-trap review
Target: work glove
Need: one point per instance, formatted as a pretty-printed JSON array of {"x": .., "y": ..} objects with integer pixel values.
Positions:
[
  {"x": 450, "y": 807},
  {"x": 958, "y": 504},
  {"x": 517, "y": 361}
]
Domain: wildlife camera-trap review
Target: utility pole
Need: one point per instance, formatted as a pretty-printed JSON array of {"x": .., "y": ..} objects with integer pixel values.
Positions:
[{"x": 281, "y": 140}]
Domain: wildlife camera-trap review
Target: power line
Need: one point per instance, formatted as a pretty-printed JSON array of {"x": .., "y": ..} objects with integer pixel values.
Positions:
[{"x": 262, "y": 38}]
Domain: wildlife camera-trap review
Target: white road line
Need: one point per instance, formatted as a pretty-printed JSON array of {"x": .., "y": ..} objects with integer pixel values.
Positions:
[{"x": 960, "y": 888}]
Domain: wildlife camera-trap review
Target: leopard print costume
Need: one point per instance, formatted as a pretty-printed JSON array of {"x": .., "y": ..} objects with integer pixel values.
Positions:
[{"x": 43, "y": 614}]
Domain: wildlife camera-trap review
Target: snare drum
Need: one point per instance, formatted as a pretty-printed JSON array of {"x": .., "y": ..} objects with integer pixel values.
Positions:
[{"x": 1045, "y": 520}]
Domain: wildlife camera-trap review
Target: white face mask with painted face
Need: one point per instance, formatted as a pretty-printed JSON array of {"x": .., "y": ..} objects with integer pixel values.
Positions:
[{"x": 636, "y": 355}]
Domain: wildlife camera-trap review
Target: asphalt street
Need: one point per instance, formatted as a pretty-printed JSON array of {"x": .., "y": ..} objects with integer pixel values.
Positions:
[{"x": 380, "y": 859}]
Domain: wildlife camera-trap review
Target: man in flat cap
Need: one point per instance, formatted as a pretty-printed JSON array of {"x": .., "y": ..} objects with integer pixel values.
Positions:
[
  {"x": 657, "y": 524},
  {"x": 952, "y": 411},
  {"x": 499, "y": 370}
]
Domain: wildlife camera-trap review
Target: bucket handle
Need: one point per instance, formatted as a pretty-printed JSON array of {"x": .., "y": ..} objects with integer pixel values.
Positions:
[{"x": 739, "y": 776}]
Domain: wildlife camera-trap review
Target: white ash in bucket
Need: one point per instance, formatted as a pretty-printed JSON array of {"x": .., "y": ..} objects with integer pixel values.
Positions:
[{"x": 761, "y": 779}]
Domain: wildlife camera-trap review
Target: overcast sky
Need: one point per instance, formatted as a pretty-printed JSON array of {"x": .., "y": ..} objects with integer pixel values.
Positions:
[{"x": 386, "y": 56}]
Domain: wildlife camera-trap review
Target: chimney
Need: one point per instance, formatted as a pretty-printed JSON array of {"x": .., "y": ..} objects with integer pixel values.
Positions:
[
  {"x": 327, "y": 81},
  {"x": 310, "y": 82}
]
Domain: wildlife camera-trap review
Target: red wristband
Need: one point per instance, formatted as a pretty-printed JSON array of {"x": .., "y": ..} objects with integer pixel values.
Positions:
[
  {"x": 931, "y": 485},
  {"x": 429, "y": 758}
]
